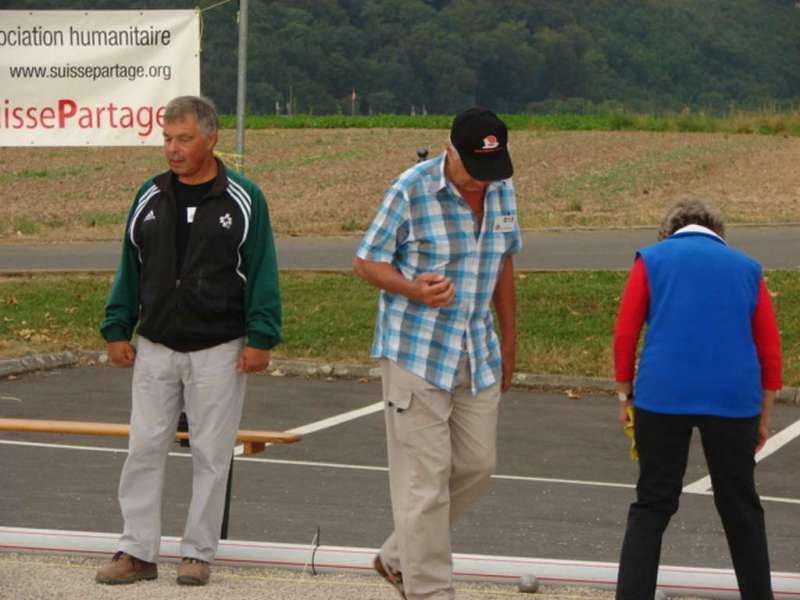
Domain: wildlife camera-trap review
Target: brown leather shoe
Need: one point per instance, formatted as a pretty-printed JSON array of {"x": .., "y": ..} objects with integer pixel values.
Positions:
[
  {"x": 125, "y": 568},
  {"x": 193, "y": 571},
  {"x": 395, "y": 578}
]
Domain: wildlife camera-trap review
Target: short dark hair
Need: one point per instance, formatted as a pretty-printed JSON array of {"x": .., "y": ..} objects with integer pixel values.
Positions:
[
  {"x": 690, "y": 211},
  {"x": 199, "y": 106}
]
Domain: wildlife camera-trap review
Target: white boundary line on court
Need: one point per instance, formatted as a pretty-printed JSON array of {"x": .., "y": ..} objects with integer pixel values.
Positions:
[
  {"x": 773, "y": 444},
  {"x": 700, "y": 487},
  {"x": 326, "y": 423},
  {"x": 338, "y": 419},
  {"x": 351, "y": 467}
]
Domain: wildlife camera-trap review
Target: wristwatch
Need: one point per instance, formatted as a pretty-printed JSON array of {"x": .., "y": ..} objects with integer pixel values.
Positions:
[{"x": 624, "y": 396}]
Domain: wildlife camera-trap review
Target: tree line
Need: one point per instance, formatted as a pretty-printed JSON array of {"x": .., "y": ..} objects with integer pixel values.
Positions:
[{"x": 517, "y": 56}]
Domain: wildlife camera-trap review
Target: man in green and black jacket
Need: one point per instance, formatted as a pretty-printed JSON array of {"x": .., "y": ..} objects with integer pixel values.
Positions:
[{"x": 199, "y": 275}]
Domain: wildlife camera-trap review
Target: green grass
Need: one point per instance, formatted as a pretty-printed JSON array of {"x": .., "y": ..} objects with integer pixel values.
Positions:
[
  {"x": 766, "y": 122},
  {"x": 51, "y": 313},
  {"x": 565, "y": 320},
  {"x": 785, "y": 288},
  {"x": 25, "y": 226}
]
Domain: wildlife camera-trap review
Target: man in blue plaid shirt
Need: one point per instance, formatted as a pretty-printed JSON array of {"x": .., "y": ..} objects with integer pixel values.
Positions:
[{"x": 440, "y": 250}]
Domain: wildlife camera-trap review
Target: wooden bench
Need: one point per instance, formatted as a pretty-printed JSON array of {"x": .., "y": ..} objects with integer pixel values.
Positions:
[{"x": 253, "y": 440}]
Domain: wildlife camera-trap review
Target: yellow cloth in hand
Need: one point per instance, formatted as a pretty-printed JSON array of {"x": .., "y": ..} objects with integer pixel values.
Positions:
[{"x": 629, "y": 432}]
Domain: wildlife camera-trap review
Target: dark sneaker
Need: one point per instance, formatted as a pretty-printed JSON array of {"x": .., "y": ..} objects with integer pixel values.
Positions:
[
  {"x": 125, "y": 568},
  {"x": 395, "y": 578},
  {"x": 193, "y": 571}
]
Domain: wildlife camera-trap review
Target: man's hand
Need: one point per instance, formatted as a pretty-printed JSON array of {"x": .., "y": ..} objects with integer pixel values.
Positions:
[
  {"x": 767, "y": 402},
  {"x": 430, "y": 289},
  {"x": 624, "y": 387},
  {"x": 763, "y": 435},
  {"x": 121, "y": 353},
  {"x": 433, "y": 289},
  {"x": 508, "y": 352},
  {"x": 252, "y": 360},
  {"x": 622, "y": 415}
]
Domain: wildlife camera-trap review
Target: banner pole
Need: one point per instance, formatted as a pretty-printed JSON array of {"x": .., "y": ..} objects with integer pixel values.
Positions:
[{"x": 241, "y": 88}]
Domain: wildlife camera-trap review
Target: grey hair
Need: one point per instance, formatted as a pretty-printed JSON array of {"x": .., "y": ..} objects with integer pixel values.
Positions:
[
  {"x": 690, "y": 211},
  {"x": 199, "y": 106}
]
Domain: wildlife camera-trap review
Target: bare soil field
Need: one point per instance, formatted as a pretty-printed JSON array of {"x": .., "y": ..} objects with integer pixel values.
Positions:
[{"x": 326, "y": 182}]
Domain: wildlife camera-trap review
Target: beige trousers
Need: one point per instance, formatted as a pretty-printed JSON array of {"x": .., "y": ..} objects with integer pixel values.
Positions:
[{"x": 442, "y": 451}]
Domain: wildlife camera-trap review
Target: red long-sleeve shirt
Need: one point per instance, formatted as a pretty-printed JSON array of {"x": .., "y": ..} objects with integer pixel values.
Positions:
[{"x": 633, "y": 312}]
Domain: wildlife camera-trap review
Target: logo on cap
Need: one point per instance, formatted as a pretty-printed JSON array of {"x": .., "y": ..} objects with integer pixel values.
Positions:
[
  {"x": 490, "y": 142},
  {"x": 490, "y": 145}
]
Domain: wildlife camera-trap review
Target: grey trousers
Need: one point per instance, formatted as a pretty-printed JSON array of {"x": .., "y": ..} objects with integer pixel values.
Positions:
[
  {"x": 212, "y": 399},
  {"x": 442, "y": 451}
]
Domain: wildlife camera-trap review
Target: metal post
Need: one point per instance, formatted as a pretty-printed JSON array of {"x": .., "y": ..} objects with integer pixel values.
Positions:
[
  {"x": 183, "y": 426},
  {"x": 226, "y": 515},
  {"x": 241, "y": 87}
]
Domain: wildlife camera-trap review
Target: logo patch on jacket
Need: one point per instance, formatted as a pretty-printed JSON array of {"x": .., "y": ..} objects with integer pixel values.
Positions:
[
  {"x": 226, "y": 221},
  {"x": 151, "y": 216}
]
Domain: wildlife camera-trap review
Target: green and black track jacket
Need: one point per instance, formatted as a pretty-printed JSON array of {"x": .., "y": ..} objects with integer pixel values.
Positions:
[{"x": 228, "y": 286}]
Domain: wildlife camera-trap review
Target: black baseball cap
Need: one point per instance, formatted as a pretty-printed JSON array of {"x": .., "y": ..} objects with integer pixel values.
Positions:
[{"x": 481, "y": 139}]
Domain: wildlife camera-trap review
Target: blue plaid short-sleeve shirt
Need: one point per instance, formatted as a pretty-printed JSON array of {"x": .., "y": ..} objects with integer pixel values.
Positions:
[{"x": 424, "y": 225}]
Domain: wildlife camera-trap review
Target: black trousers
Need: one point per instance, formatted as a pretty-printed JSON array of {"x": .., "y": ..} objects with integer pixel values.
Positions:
[{"x": 663, "y": 443}]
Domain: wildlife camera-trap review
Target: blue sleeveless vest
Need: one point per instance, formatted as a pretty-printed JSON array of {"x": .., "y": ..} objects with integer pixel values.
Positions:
[{"x": 699, "y": 356}]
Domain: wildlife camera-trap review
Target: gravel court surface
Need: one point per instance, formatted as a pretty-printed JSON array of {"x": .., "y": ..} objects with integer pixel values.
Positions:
[
  {"x": 544, "y": 436},
  {"x": 34, "y": 577}
]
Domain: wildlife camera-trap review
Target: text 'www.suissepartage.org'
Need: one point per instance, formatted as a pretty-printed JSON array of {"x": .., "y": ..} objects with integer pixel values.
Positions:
[{"x": 92, "y": 72}]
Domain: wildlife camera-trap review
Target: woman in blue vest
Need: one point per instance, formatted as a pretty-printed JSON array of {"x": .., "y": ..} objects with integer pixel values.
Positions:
[{"x": 711, "y": 359}]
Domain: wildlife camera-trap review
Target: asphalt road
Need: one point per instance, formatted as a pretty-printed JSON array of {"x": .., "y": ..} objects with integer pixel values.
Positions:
[
  {"x": 563, "y": 487},
  {"x": 775, "y": 247}
]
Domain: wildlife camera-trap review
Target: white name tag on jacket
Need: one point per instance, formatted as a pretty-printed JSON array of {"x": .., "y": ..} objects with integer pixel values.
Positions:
[
  {"x": 190, "y": 213},
  {"x": 505, "y": 223}
]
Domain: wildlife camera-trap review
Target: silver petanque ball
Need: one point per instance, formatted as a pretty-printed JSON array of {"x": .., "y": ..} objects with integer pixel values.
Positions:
[{"x": 528, "y": 583}]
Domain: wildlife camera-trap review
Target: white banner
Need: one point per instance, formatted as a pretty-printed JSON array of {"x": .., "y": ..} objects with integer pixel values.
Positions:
[{"x": 93, "y": 78}]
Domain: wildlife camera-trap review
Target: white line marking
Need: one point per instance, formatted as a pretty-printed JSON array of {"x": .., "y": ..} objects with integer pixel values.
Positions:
[
  {"x": 90, "y": 448},
  {"x": 774, "y": 443},
  {"x": 338, "y": 419},
  {"x": 63, "y": 446},
  {"x": 764, "y": 498},
  {"x": 326, "y": 423},
  {"x": 701, "y": 486},
  {"x": 777, "y": 499},
  {"x": 567, "y": 481},
  {"x": 304, "y": 463},
  {"x": 781, "y": 438},
  {"x": 351, "y": 467},
  {"x": 326, "y": 465},
  {"x": 308, "y": 463}
]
